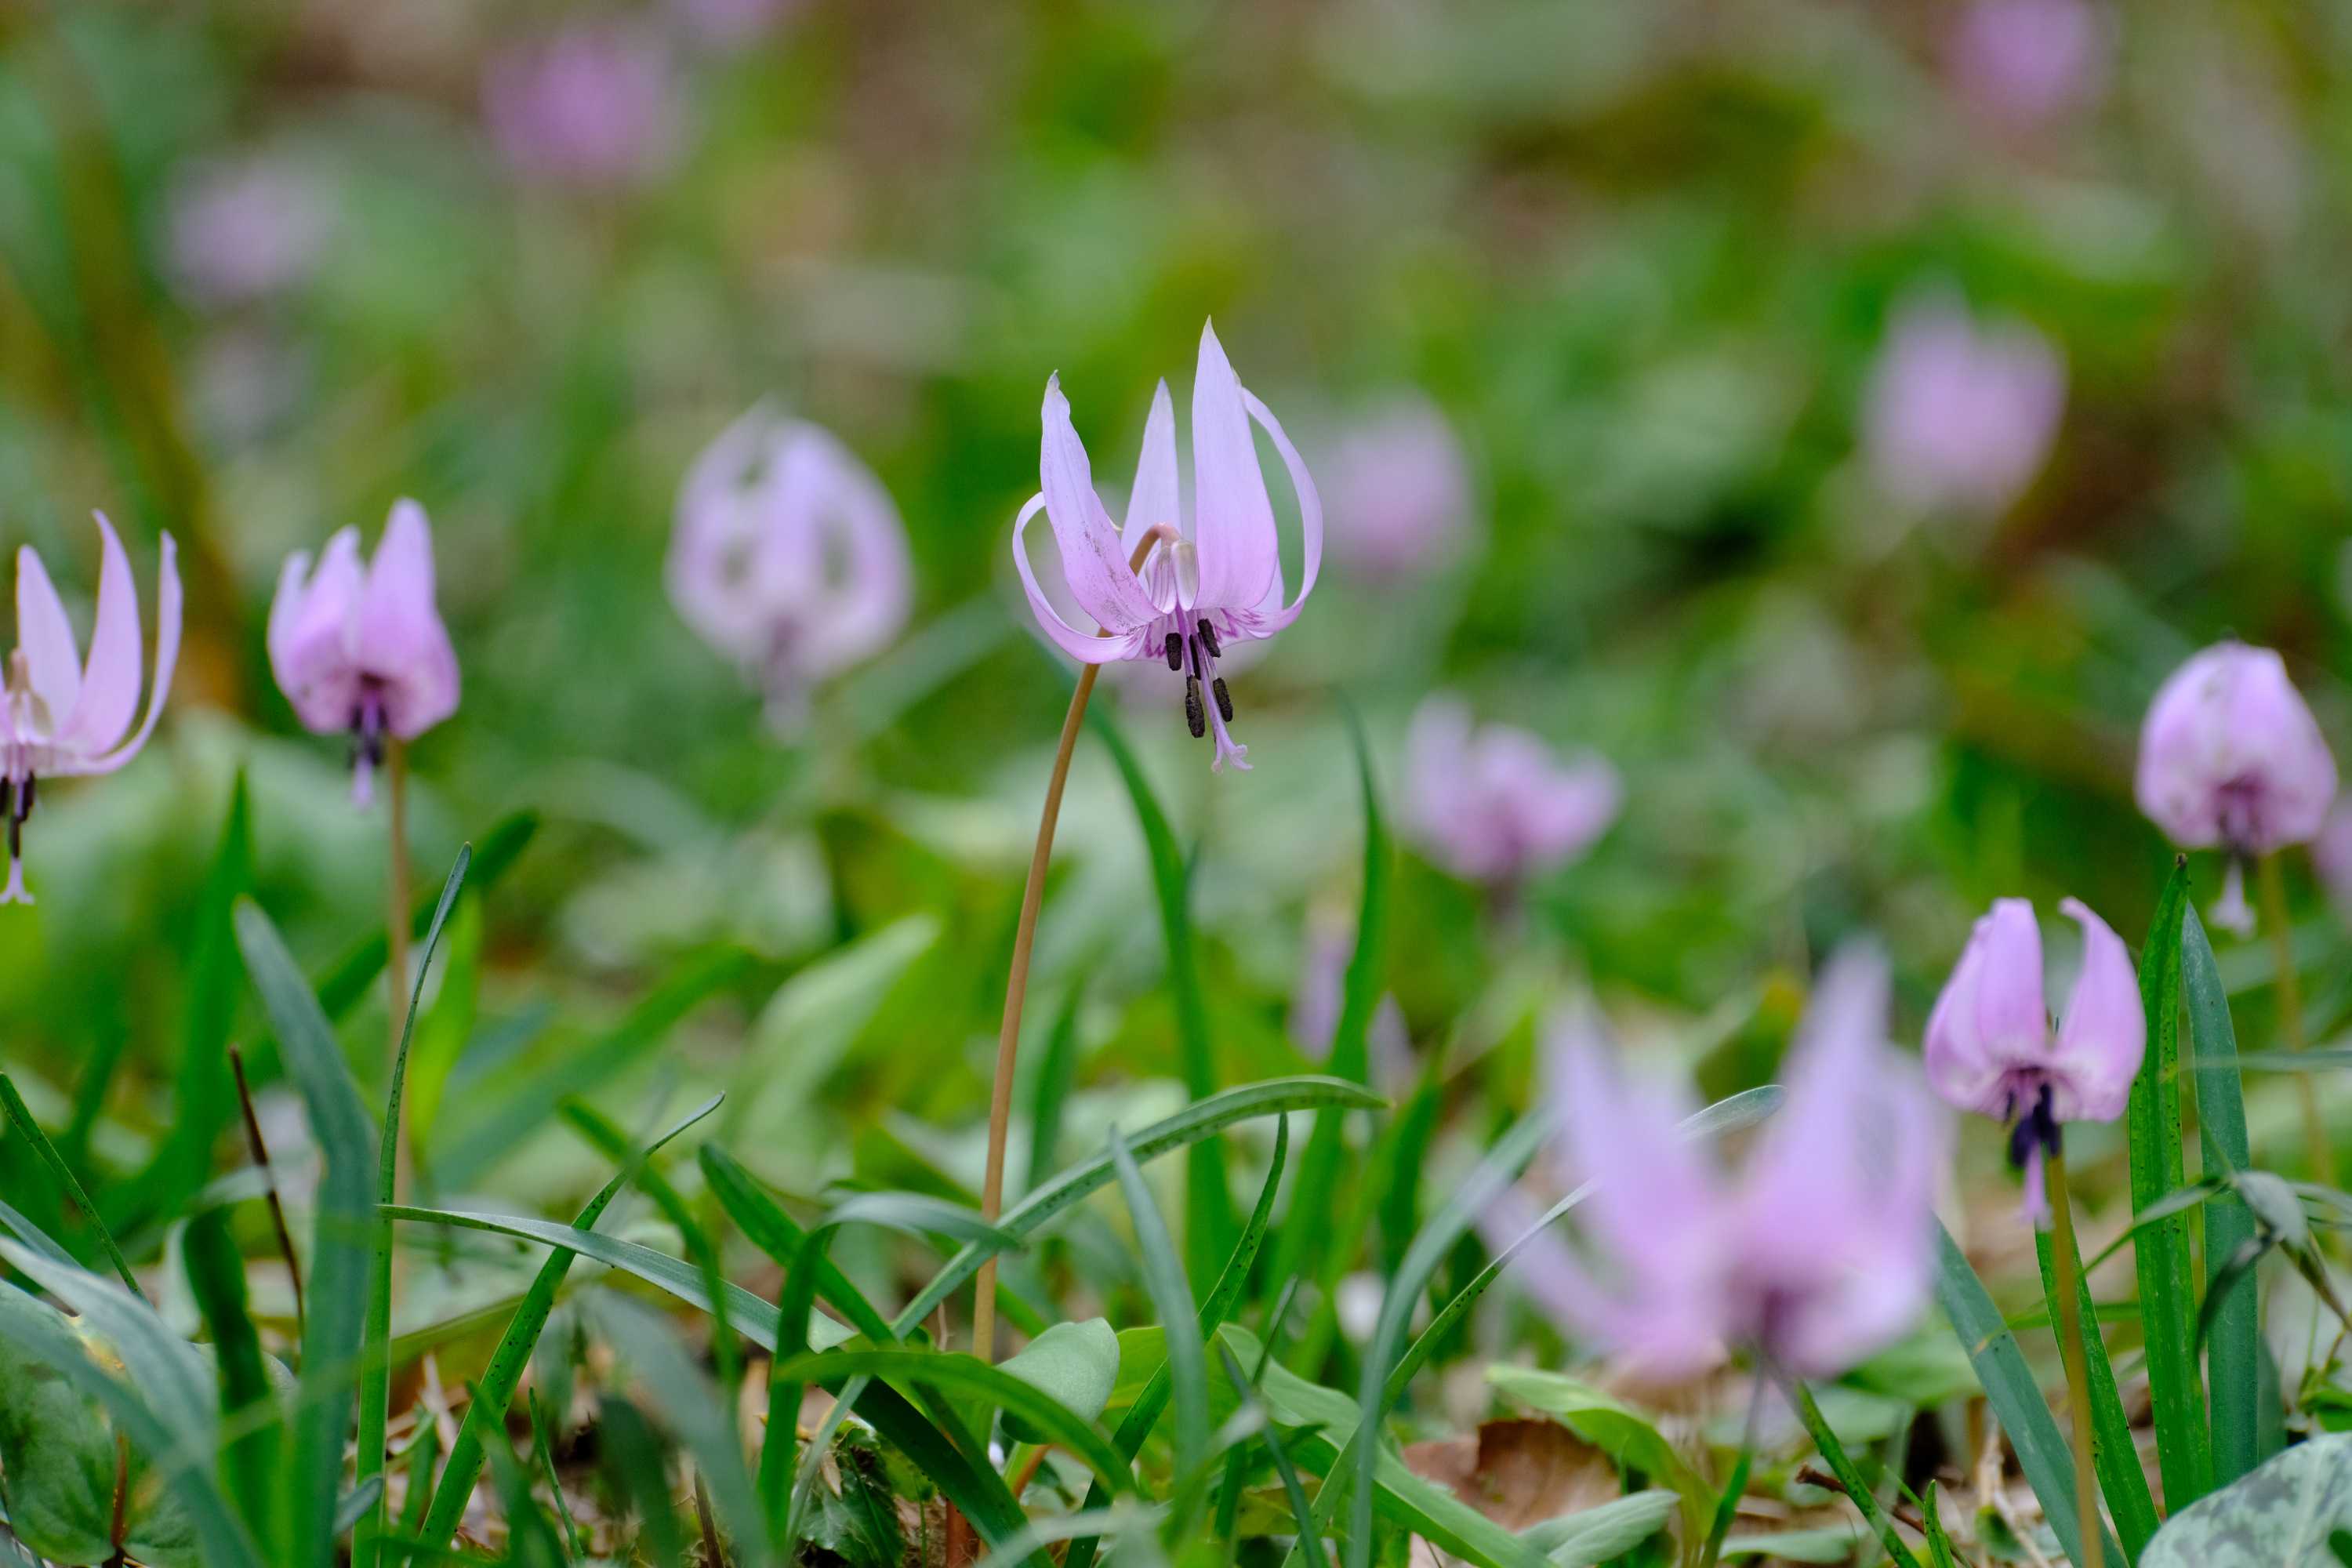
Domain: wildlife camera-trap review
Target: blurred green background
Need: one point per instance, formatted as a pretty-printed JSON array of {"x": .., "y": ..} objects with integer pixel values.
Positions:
[{"x": 268, "y": 267}]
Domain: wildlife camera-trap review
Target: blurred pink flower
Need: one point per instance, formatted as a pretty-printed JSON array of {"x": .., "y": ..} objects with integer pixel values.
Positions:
[
  {"x": 1959, "y": 418},
  {"x": 241, "y": 229},
  {"x": 2027, "y": 62},
  {"x": 1493, "y": 804},
  {"x": 1218, "y": 581},
  {"x": 1990, "y": 1049},
  {"x": 594, "y": 104},
  {"x": 361, "y": 648},
  {"x": 788, "y": 557},
  {"x": 64, "y": 716},
  {"x": 722, "y": 24},
  {"x": 1320, "y": 994},
  {"x": 1401, "y": 497},
  {"x": 2230, "y": 756},
  {"x": 1818, "y": 1254}
]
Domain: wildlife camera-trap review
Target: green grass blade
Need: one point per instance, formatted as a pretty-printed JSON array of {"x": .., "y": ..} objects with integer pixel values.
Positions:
[
  {"x": 1056, "y": 1070},
  {"x": 343, "y": 985},
  {"x": 495, "y": 1390},
  {"x": 2121, "y": 1480},
  {"x": 21, "y": 1119},
  {"x": 1310, "y": 1540},
  {"x": 1208, "y": 1222},
  {"x": 338, "y": 1289},
  {"x": 2232, "y": 1345},
  {"x": 761, "y": 1218},
  {"x": 975, "y": 1489},
  {"x": 2167, "y": 1299},
  {"x": 1300, "y": 1246},
  {"x": 2017, "y": 1403},
  {"x": 216, "y": 1280},
  {"x": 1857, "y": 1488},
  {"x": 376, "y": 1342},
  {"x": 698, "y": 1414},
  {"x": 1172, "y": 1296},
  {"x": 638, "y": 1469}
]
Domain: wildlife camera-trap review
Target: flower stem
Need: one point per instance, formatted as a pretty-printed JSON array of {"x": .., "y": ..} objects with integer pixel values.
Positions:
[
  {"x": 2071, "y": 1351},
  {"x": 260, "y": 1152},
  {"x": 1017, "y": 984},
  {"x": 2290, "y": 1011},
  {"x": 396, "y": 915}
]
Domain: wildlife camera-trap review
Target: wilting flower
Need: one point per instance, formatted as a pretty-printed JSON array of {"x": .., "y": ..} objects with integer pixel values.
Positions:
[
  {"x": 595, "y": 104},
  {"x": 1213, "y": 572},
  {"x": 1494, "y": 804},
  {"x": 2230, "y": 756},
  {"x": 1400, "y": 489},
  {"x": 245, "y": 229},
  {"x": 2026, "y": 62},
  {"x": 67, "y": 717},
  {"x": 1959, "y": 418},
  {"x": 1990, "y": 1048},
  {"x": 788, "y": 556},
  {"x": 1816, "y": 1254},
  {"x": 361, "y": 648}
]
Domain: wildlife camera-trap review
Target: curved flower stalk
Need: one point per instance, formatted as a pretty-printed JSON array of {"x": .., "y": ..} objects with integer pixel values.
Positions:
[
  {"x": 1816, "y": 1255},
  {"x": 788, "y": 557},
  {"x": 66, "y": 716},
  {"x": 1493, "y": 804},
  {"x": 361, "y": 648},
  {"x": 2230, "y": 756},
  {"x": 1990, "y": 1048},
  {"x": 1217, "y": 582}
]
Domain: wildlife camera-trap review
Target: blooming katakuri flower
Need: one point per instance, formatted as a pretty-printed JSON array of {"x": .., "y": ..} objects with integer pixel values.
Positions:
[
  {"x": 361, "y": 648},
  {"x": 66, "y": 716},
  {"x": 1494, "y": 804},
  {"x": 1990, "y": 1048},
  {"x": 1816, "y": 1255},
  {"x": 2231, "y": 757},
  {"x": 1959, "y": 417},
  {"x": 1213, "y": 574},
  {"x": 788, "y": 557}
]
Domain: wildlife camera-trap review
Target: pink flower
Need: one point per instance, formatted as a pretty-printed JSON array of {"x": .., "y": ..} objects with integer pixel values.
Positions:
[
  {"x": 243, "y": 230},
  {"x": 1320, "y": 994},
  {"x": 1399, "y": 490},
  {"x": 2028, "y": 62},
  {"x": 595, "y": 104},
  {"x": 65, "y": 716},
  {"x": 1959, "y": 418},
  {"x": 788, "y": 557},
  {"x": 1817, "y": 1254},
  {"x": 1991, "y": 1049},
  {"x": 1214, "y": 574},
  {"x": 1494, "y": 805},
  {"x": 362, "y": 649}
]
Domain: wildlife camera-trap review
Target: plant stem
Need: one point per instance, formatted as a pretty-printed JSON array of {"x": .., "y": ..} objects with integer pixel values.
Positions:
[
  {"x": 260, "y": 1152},
  {"x": 2072, "y": 1352},
  {"x": 1017, "y": 984},
  {"x": 396, "y": 908},
  {"x": 2290, "y": 1011}
]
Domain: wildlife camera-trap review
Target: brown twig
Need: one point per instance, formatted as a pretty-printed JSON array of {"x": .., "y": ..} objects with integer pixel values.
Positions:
[
  {"x": 260, "y": 1152},
  {"x": 1814, "y": 1476}
]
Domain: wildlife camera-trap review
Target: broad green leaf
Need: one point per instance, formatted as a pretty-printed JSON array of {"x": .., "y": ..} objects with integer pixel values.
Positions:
[
  {"x": 2279, "y": 1516},
  {"x": 1605, "y": 1530},
  {"x": 1822, "y": 1543},
  {"x": 2233, "y": 1356},
  {"x": 1076, "y": 1363}
]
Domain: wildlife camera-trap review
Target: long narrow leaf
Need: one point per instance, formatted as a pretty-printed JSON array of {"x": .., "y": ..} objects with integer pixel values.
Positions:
[
  {"x": 21, "y": 1119},
  {"x": 1857, "y": 1488},
  {"x": 1172, "y": 1296},
  {"x": 2167, "y": 1299},
  {"x": 695, "y": 1410},
  {"x": 217, "y": 1279},
  {"x": 2121, "y": 1480},
  {"x": 2233, "y": 1354}
]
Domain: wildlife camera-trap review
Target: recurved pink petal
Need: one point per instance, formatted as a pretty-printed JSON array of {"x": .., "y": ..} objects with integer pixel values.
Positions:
[
  {"x": 402, "y": 640},
  {"x": 1232, "y": 520},
  {"x": 1154, "y": 499},
  {"x": 110, "y": 682},
  {"x": 47, "y": 639},
  {"x": 1092, "y": 560},
  {"x": 2104, "y": 1033},
  {"x": 1085, "y": 647},
  {"x": 167, "y": 659},
  {"x": 1271, "y": 613}
]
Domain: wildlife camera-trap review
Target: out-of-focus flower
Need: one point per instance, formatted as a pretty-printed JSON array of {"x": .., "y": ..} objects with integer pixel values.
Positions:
[
  {"x": 594, "y": 104},
  {"x": 1399, "y": 490},
  {"x": 361, "y": 648},
  {"x": 2331, "y": 855},
  {"x": 1991, "y": 1049},
  {"x": 788, "y": 557},
  {"x": 1214, "y": 574},
  {"x": 1493, "y": 804},
  {"x": 722, "y": 24},
  {"x": 65, "y": 716},
  {"x": 245, "y": 228},
  {"x": 1816, "y": 1255},
  {"x": 1321, "y": 994},
  {"x": 2027, "y": 62},
  {"x": 2230, "y": 756},
  {"x": 1959, "y": 418}
]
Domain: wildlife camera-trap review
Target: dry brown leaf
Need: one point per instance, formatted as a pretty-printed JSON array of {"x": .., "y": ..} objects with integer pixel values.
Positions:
[{"x": 1518, "y": 1472}]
